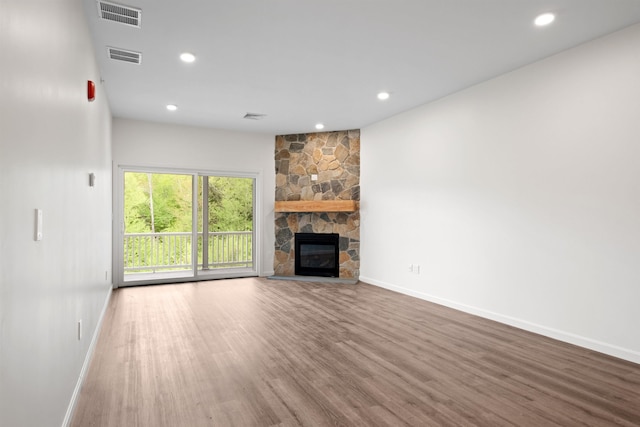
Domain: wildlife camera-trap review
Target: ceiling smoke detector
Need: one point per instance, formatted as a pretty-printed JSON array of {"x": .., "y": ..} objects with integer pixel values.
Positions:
[
  {"x": 125, "y": 55},
  {"x": 254, "y": 116},
  {"x": 119, "y": 13}
]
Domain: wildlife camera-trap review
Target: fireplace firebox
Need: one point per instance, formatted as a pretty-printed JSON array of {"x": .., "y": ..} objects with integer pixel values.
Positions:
[{"x": 317, "y": 254}]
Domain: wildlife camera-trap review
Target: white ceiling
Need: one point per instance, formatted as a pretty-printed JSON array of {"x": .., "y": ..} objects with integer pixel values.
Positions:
[{"x": 301, "y": 62}]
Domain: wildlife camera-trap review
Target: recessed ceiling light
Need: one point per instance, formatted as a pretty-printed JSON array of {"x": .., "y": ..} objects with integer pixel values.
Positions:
[
  {"x": 383, "y": 95},
  {"x": 187, "y": 57},
  {"x": 544, "y": 19},
  {"x": 319, "y": 126},
  {"x": 172, "y": 107}
]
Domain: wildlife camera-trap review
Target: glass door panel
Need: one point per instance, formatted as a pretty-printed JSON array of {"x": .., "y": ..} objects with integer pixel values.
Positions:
[
  {"x": 158, "y": 231},
  {"x": 225, "y": 225}
]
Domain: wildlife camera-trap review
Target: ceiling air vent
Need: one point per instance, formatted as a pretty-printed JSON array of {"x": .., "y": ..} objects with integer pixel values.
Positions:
[
  {"x": 119, "y": 13},
  {"x": 254, "y": 116},
  {"x": 125, "y": 55}
]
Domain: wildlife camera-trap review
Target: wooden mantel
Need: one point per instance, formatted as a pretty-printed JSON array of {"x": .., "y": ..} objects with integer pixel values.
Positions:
[{"x": 317, "y": 206}]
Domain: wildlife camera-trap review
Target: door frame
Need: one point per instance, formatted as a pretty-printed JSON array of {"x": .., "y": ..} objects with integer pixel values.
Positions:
[{"x": 118, "y": 223}]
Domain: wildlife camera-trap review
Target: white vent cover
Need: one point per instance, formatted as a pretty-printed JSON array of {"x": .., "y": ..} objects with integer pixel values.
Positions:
[
  {"x": 119, "y": 13},
  {"x": 254, "y": 116},
  {"x": 124, "y": 55}
]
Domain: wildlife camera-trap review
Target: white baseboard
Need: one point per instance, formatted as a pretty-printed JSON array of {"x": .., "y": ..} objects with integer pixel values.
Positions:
[
  {"x": 601, "y": 347},
  {"x": 85, "y": 365}
]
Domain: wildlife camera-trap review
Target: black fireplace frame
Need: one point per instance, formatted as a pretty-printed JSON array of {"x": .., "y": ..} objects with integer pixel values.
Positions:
[{"x": 328, "y": 239}]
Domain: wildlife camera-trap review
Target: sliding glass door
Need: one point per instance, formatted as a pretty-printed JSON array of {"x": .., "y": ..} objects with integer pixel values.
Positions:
[{"x": 185, "y": 226}]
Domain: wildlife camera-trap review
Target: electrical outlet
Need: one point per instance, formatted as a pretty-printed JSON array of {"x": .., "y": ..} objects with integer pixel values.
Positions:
[
  {"x": 410, "y": 268},
  {"x": 416, "y": 269}
]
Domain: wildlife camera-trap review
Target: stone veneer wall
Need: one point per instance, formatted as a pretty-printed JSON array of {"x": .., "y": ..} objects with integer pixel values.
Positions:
[{"x": 335, "y": 158}]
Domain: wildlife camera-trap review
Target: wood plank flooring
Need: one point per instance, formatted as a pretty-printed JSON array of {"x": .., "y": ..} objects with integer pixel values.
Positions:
[{"x": 257, "y": 352}]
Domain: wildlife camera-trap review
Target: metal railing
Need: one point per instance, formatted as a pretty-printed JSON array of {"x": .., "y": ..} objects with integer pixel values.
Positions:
[{"x": 153, "y": 252}]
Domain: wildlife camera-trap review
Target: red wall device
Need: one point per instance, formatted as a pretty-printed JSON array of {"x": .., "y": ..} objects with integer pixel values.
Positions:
[{"x": 91, "y": 90}]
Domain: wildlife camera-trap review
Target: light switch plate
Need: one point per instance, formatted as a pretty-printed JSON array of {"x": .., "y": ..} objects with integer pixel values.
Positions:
[{"x": 38, "y": 231}]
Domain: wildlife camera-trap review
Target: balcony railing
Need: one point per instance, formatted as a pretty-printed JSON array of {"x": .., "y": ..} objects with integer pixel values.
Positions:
[{"x": 154, "y": 252}]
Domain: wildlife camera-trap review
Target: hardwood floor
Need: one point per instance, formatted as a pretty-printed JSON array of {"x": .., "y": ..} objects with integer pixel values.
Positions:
[{"x": 257, "y": 352}]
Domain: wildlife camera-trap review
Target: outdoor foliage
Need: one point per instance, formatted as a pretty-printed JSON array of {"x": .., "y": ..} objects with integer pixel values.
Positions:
[
  {"x": 230, "y": 204},
  {"x": 169, "y": 196},
  {"x": 161, "y": 203}
]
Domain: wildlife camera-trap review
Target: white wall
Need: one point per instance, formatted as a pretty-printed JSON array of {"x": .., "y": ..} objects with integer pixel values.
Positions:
[
  {"x": 139, "y": 143},
  {"x": 51, "y": 138},
  {"x": 519, "y": 198}
]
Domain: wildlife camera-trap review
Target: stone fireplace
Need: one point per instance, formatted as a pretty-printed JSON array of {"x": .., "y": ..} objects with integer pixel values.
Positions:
[{"x": 317, "y": 191}]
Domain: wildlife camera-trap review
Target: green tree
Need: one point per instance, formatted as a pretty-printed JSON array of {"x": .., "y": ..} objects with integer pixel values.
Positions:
[
  {"x": 231, "y": 206},
  {"x": 168, "y": 195},
  {"x": 230, "y": 201}
]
